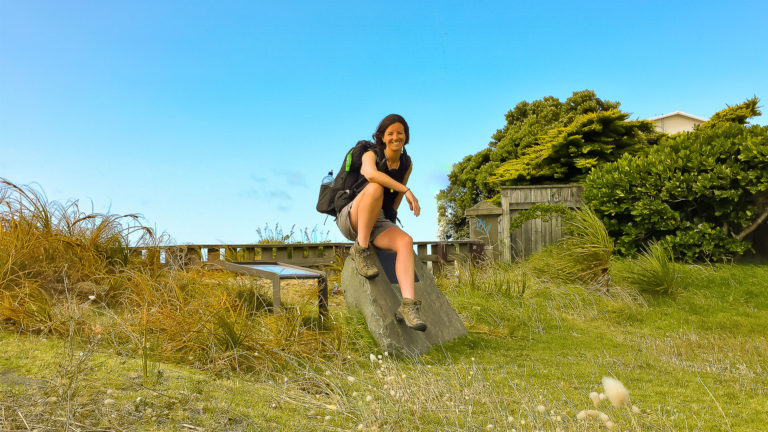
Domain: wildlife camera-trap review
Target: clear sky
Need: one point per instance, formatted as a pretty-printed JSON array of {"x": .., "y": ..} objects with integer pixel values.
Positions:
[{"x": 214, "y": 118}]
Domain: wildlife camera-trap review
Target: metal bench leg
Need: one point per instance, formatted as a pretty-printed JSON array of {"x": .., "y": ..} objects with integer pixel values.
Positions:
[
  {"x": 322, "y": 300},
  {"x": 276, "y": 305}
]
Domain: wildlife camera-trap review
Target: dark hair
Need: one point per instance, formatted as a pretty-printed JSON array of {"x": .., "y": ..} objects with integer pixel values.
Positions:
[{"x": 385, "y": 123}]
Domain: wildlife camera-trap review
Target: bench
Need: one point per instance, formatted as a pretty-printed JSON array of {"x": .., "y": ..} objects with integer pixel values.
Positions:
[{"x": 277, "y": 271}]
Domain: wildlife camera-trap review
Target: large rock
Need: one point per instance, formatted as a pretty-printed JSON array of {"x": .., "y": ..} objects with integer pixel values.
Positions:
[{"x": 379, "y": 298}]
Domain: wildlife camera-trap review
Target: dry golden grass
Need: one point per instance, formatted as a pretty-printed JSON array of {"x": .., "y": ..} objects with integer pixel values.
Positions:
[{"x": 65, "y": 272}]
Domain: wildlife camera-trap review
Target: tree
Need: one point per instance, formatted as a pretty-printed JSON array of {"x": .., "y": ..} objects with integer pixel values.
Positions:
[
  {"x": 738, "y": 114},
  {"x": 702, "y": 193},
  {"x": 566, "y": 154},
  {"x": 543, "y": 141}
]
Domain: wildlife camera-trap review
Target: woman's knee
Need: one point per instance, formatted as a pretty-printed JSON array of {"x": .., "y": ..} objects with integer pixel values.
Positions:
[
  {"x": 405, "y": 243},
  {"x": 374, "y": 191}
]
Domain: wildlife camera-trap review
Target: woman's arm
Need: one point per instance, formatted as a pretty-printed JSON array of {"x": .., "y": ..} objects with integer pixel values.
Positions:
[
  {"x": 373, "y": 175},
  {"x": 399, "y": 196}
]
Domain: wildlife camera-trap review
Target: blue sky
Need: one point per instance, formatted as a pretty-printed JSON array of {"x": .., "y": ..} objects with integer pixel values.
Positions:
[{"x": 212, "y": 119}]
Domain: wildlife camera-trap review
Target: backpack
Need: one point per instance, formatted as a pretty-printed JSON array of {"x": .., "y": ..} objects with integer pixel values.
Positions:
[{"x": 344, "y": 188}]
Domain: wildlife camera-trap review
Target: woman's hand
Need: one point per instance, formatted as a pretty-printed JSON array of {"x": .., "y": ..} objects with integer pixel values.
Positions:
[{"x": 413, "y": 203}]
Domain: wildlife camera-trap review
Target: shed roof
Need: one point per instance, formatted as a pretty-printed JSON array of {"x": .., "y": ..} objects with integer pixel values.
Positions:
[{"x": 483, "y": 208}]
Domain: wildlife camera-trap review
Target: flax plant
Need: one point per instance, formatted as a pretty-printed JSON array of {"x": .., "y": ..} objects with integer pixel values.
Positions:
[
  {"x": 582, "y": 256},
  {"x": 653, "y": 271}
]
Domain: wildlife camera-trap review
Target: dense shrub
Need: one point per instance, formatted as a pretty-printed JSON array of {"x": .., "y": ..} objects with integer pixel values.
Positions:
[
  {"x": 700, "y": 192},
  {"x": 544, "y": 141}
]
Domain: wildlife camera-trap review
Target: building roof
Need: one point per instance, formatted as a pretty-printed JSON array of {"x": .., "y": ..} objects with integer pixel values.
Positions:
[
  {"x": 680, "y": 113},
  {"x": 483, "y": 208}
]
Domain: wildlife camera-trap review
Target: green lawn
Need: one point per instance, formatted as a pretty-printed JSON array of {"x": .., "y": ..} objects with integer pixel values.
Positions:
[{"x": 695, "y": 360}]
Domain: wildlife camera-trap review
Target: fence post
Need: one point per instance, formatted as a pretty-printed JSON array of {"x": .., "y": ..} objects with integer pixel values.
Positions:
[
  {"x": 230, "y": 254},
  {"x": 192, "y": 255},
  {"x": 440, "y": 251},
  {"x": 214, "y": 254},
  {"x": 250, "y": 253},
  {"x": 283, "y": 253}
]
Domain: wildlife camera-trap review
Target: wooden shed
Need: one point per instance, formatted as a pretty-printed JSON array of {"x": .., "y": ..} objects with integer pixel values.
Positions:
[
  {"x": 485, "y": 225},
  {"x": 536, "y": 234}
]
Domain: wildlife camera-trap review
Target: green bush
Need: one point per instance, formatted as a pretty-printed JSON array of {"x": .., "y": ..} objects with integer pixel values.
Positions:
[{"x": 700, "y": 192}]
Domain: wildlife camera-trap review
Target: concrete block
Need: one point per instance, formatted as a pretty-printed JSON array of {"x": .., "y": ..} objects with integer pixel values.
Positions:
[{"x": 379, "y": 298}]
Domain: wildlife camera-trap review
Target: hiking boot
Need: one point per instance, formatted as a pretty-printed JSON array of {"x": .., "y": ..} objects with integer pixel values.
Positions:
[
  {"x": 363, "y": 258},
  {"x": 409, "y": 312}
]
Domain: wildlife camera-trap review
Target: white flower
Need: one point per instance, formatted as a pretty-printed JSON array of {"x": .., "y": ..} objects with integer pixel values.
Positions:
[
  {"x": 541, "y": 409},
  {"x": 379, "y": 356},
  {"x": 489, "y": 427},
  {"x": 368, "y": 398},
  {"x": 351, "y": 379},
  {"x": 588, "y": 413},
  {"x": 615, "y": 391},
  {"x": 91, "y": 297},
  {"x": 595, "y": 399},
  {"x": 372, "y": 357}
]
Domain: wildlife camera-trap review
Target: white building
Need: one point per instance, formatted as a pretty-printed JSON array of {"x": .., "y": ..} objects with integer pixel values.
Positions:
[{"x": 675, "y": 122}]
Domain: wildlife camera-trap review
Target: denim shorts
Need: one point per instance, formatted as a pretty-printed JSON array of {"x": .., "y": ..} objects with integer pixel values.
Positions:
[{"x": 345, "y": 224}]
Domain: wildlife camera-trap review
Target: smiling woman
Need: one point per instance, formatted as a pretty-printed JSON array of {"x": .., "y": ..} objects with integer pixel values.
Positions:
[{"x": 371, "y": 215}]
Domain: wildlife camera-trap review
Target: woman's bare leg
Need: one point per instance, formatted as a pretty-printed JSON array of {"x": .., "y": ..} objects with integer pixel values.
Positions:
[
  {"x": 397, "y": 240},
  {"x": 365, "y": 210}
]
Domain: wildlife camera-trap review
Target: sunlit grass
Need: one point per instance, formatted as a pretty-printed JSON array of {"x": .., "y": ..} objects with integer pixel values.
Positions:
[{"x": 121, "y": 344}]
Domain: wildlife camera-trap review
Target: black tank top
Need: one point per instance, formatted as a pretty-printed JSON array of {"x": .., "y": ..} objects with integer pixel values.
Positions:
[{"x": 398, "y": 174}]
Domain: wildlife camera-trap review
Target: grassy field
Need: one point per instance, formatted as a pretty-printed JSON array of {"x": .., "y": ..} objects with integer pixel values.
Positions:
[
  {"x": 694, "y": 360},
  {"x": 94, "y": 338}
]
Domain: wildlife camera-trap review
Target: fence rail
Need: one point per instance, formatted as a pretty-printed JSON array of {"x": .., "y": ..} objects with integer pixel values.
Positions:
[{"x": 301, "y": 254}]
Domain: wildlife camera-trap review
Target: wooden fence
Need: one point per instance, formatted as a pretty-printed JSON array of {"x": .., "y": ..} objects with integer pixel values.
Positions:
[
  {"x": 300, "y": 254},
  {"x": 536, "y": 234}
]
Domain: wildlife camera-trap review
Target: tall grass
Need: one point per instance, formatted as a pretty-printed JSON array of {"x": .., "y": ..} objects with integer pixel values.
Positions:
[
  {"x": 653, "y": 271},
  {"x": 278, "y": 234},
  {"x": 67, "y": 272},
  {"x": 583, "y": 255}
]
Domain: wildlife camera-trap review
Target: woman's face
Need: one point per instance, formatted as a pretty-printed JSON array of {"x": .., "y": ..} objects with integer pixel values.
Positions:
[{"x": 394, "y": 136}]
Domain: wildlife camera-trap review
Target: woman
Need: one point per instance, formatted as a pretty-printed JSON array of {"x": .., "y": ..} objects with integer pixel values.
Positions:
[{"x": 370, "y": 217}]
